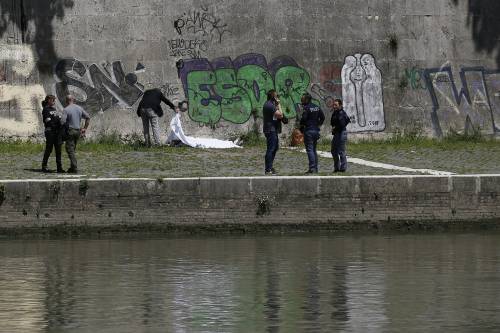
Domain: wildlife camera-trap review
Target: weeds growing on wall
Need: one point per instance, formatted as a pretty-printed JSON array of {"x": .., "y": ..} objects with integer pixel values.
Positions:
[
  {"x": 2, "y": 194},
  {"x": 113, "y": 141},
  {"x": 83, "y": 187},
  {"x": 253, "y": 137},
  {"x": 264, "y": 203}
]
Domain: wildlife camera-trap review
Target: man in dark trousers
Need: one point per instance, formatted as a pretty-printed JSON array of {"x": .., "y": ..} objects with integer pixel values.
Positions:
[
  {"x": 53, "y": 132},
  {"x": 311, "y": 121},
  {"x": 339, "y": 121},
  {"x": 150, "y": 110},
  {"x": 72, "y": 117},
  {"x": 271, "y": 128}
]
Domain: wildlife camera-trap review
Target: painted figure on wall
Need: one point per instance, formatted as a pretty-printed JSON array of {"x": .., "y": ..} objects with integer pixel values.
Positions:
[{"x": 362, "y": 93}]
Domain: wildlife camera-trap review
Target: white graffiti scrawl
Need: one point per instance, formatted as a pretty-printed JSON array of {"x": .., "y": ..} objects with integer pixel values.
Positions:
[
  {"x": 362, "y": 93},
  {"x": 26, "y": 97}
]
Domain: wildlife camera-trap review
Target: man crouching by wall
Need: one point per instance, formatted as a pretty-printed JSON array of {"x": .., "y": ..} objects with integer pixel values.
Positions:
[
  {"x": 72, "y": 118},
  {"x": 150, "y": 110},
  {"x": 271, "y": 127}
]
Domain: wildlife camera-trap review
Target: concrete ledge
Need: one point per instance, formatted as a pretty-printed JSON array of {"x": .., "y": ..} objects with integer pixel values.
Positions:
[{"x": 255, "y": 202}]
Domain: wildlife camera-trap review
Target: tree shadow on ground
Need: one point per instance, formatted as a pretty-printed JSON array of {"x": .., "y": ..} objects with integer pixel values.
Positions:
[
  {"x": 37, "y": 14},
  {"x": 484, "y": 18}
]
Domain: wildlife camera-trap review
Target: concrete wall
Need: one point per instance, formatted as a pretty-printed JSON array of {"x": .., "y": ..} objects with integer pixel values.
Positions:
[
  {"x": 334, "y": 201},
  {"x": 426, "y": 66}
]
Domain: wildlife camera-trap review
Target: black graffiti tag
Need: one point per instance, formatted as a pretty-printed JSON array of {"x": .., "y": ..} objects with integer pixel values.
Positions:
[
  {"x": 201, "y": 22},
  {"x": 103, "y": 91},
  {"x": 192, "y": 48}
]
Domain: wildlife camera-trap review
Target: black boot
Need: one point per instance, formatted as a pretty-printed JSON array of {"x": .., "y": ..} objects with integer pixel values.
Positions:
[{"x": 60, "y": 168}]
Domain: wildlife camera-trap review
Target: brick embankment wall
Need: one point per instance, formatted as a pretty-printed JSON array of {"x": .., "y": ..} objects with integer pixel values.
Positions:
[{"x": 333, "y": 202}]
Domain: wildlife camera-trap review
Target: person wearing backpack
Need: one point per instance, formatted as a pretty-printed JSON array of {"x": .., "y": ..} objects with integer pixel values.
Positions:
[{"x": 339, "y": 122}]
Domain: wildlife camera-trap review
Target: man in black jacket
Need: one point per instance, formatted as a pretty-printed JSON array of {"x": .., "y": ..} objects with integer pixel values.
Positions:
[
  {"x": 53, "y": 132},
  {"x": 339, "y": 121},
  {"x": 149, "y": 110},
  {"x": 311, "y": 121},
  {"x": 271, "y": 127}
]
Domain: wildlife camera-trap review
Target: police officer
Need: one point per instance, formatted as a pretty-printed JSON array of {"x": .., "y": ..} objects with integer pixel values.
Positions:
[
  {"x": 310, "y": 122},
  {"x": 53, "y": 132},
  {"x": 339, "y": 121}
]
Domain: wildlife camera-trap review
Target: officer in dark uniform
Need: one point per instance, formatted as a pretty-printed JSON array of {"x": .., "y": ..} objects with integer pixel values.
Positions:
[
  {"x": 312, "y": 119},
  {"x": 53, "y": 132},
  {"x": 339, "y": 121}
]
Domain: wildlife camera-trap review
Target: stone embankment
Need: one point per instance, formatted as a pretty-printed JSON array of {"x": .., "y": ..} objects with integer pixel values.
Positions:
[{"x": 253, "y": 203}]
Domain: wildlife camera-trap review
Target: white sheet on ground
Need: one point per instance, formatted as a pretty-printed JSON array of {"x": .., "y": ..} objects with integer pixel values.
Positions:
[{"x": 176, "y": 133}]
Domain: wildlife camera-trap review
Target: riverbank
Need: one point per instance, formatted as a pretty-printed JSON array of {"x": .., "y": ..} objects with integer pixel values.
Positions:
[
  {"x": 111, "y": 159},
  {"x": 249, "y": 204}
]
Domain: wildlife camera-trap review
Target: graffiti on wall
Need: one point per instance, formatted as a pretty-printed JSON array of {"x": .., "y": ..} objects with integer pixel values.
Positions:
[
  {"x": 19, "y": 99},
  {"x": 96, "y": 88},
  {"x": 170, "y": 90},
  {"x": 330, "y": 87},
  {"x": 190, "y": 48},
  {"x": 362, "y": 93},
  {"x": 203, "y": 23},
  {"x": 358, "y": 82},
  {"x": 475, "y": 106},
  {"x": 233, "y": 89},
  {"x": 414, "y": 78}
]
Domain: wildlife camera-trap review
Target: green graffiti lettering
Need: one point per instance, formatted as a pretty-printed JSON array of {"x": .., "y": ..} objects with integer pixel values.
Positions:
[
  {"x": 219, "y": 91},
  {"x": 202, "y": 107},
  {"x": 291, "y": 83},
  {"x": 414, "y": 78},
  {"x": 235, "y": 104},
  {"x": 256, "y": 81}
]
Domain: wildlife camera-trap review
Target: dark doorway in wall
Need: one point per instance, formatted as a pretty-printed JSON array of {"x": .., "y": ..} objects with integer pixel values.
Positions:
[
  {"x": 484, "y": 18},
  {"x": 33, "y": 20}
]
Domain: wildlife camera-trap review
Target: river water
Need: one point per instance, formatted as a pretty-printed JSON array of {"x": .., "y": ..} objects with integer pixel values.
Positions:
[{"x": 277, "y": 283}]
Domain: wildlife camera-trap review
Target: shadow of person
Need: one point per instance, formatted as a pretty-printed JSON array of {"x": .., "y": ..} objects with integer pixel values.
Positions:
[{"x": 39, "y": 170}]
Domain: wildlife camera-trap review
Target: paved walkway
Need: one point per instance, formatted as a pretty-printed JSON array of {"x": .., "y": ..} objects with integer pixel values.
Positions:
[
  {"x": 167, "y": 162},
  {"x": 387, "y": 166}
]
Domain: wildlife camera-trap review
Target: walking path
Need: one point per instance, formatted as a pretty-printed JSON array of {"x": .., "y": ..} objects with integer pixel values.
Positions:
[
  {"x": 23, "y": 161},
  {"x": 386, "y": 166}
]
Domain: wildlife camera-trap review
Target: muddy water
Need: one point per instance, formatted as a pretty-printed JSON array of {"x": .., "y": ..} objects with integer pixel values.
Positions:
[{"x": 285, "y": 283}]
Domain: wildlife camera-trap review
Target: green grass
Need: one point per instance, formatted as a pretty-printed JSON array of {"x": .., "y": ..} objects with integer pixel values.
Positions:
[
  {"x": 450, "y": 143},
  {"x": 19, "y": 146},
  {"x": 116, "y": 143},
  {"x": 253, "y": 139}
]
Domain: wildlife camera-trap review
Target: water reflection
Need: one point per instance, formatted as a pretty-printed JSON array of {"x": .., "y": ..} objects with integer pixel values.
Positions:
[
  {"x": 252, "y": 284},
  {"x": 340, "y": 312},
  {"x": 21, "y": 293}
]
